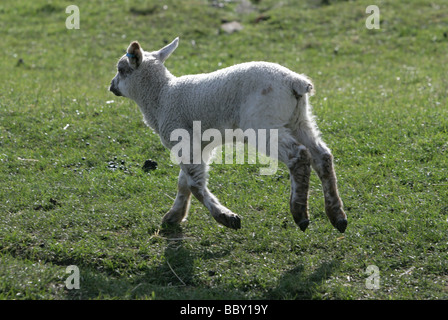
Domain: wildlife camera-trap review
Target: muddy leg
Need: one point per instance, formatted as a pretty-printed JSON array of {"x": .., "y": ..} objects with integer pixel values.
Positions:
[
  {"x": 297, "y": 159},
  {"x": 322, "y": 161},
  {"x": 300, "y": 169}
]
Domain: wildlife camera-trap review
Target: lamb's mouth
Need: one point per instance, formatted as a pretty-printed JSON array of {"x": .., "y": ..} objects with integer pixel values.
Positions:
[{"x": 115, "y": 91}]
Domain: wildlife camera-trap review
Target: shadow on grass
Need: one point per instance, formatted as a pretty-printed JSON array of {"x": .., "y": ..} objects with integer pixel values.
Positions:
[
  {"x": 296, "y": 284},
  {"x": 174, "y": 279}
]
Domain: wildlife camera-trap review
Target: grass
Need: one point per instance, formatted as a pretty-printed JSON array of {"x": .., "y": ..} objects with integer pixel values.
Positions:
[{"x": 73, "y": 192}]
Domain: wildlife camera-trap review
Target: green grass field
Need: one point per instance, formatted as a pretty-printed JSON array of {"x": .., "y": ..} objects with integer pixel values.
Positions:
[{"x": 73, "y": 192}]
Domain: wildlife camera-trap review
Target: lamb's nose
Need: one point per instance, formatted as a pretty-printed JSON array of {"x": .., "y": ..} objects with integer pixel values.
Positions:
[{"x": 114, "y": 91}]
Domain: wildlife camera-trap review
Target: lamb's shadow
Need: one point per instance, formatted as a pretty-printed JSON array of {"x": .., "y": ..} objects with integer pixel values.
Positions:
[
  {"x": 166, "y": 279},
  {"x": 155, "y": 281},
  {"x": 176, "y": 273},
  {"x": 296, "y": 284},
  {"x": 177, "y": 269}
]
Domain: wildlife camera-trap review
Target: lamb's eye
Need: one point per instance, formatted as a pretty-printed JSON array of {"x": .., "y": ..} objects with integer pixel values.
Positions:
[{"x": 120, "y": 70}]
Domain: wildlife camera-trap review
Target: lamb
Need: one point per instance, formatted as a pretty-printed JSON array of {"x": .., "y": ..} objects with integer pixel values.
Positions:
[{"x": 257, "y": 95}]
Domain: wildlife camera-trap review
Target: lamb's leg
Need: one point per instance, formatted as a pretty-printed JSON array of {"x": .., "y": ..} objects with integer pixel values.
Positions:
[
  {"x": 299, "y": 169},
  {"x": 322, "y": 163},
  {"x": 297, "y": 159},
  {"x": 197, "y": 183},
  {"x": 179, "y": 210}
]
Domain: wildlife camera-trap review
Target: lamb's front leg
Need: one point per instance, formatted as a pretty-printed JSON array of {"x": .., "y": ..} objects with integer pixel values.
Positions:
[
  {"x": 197, "y": 183},
  {"x": 179, "y": 210}
]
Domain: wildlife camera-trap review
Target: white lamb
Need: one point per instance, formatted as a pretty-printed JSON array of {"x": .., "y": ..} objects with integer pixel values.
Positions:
[{"x": 257, "y": 95}]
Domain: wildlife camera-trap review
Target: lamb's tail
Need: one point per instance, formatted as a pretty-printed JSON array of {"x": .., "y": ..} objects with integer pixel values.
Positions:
[
  {"x": 302, "y": 85},
  {"x": 302, "y": 118}
]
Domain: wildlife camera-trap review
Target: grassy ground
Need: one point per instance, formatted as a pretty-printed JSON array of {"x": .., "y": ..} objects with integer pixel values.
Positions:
[{"x": 73, "y": 192}]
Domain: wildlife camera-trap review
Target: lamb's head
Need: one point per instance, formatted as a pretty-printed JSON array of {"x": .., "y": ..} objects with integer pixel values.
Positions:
[{"x": 137, "y": 67}]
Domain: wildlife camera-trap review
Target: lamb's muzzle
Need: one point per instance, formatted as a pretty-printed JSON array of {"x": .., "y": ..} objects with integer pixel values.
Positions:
[{"x": 115, "y": 91}]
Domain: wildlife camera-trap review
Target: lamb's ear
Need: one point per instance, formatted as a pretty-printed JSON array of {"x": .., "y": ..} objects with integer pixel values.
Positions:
[
  {"x": 166, "y": 51},
  {"x": 135, "y": 54}
]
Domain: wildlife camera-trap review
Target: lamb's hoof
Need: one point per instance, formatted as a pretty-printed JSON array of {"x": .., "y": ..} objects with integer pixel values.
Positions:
[
  {"x": 171, "y": 219},
  {"x": 337, "y": 217},
  {"x": 341, "y": 225},
  {"x": 230, "y": 221},
  {"x": 303, "y": 224},
  {"x": 235, "y": 222}
]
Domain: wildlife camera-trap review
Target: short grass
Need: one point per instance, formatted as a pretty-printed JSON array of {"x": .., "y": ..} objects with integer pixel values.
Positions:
[{"x": 73, "y": 192}]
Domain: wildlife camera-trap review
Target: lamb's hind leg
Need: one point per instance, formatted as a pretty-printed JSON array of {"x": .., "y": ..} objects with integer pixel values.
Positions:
[
  {"x": 197, "y": 183},
  {"x": 322, "y": 162},
  {"x": 179, "y": 210},
  {"x": 297, "y": 159},
  {"x": 333, "y": 203},
  {"x": 299, "y": 169}
]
